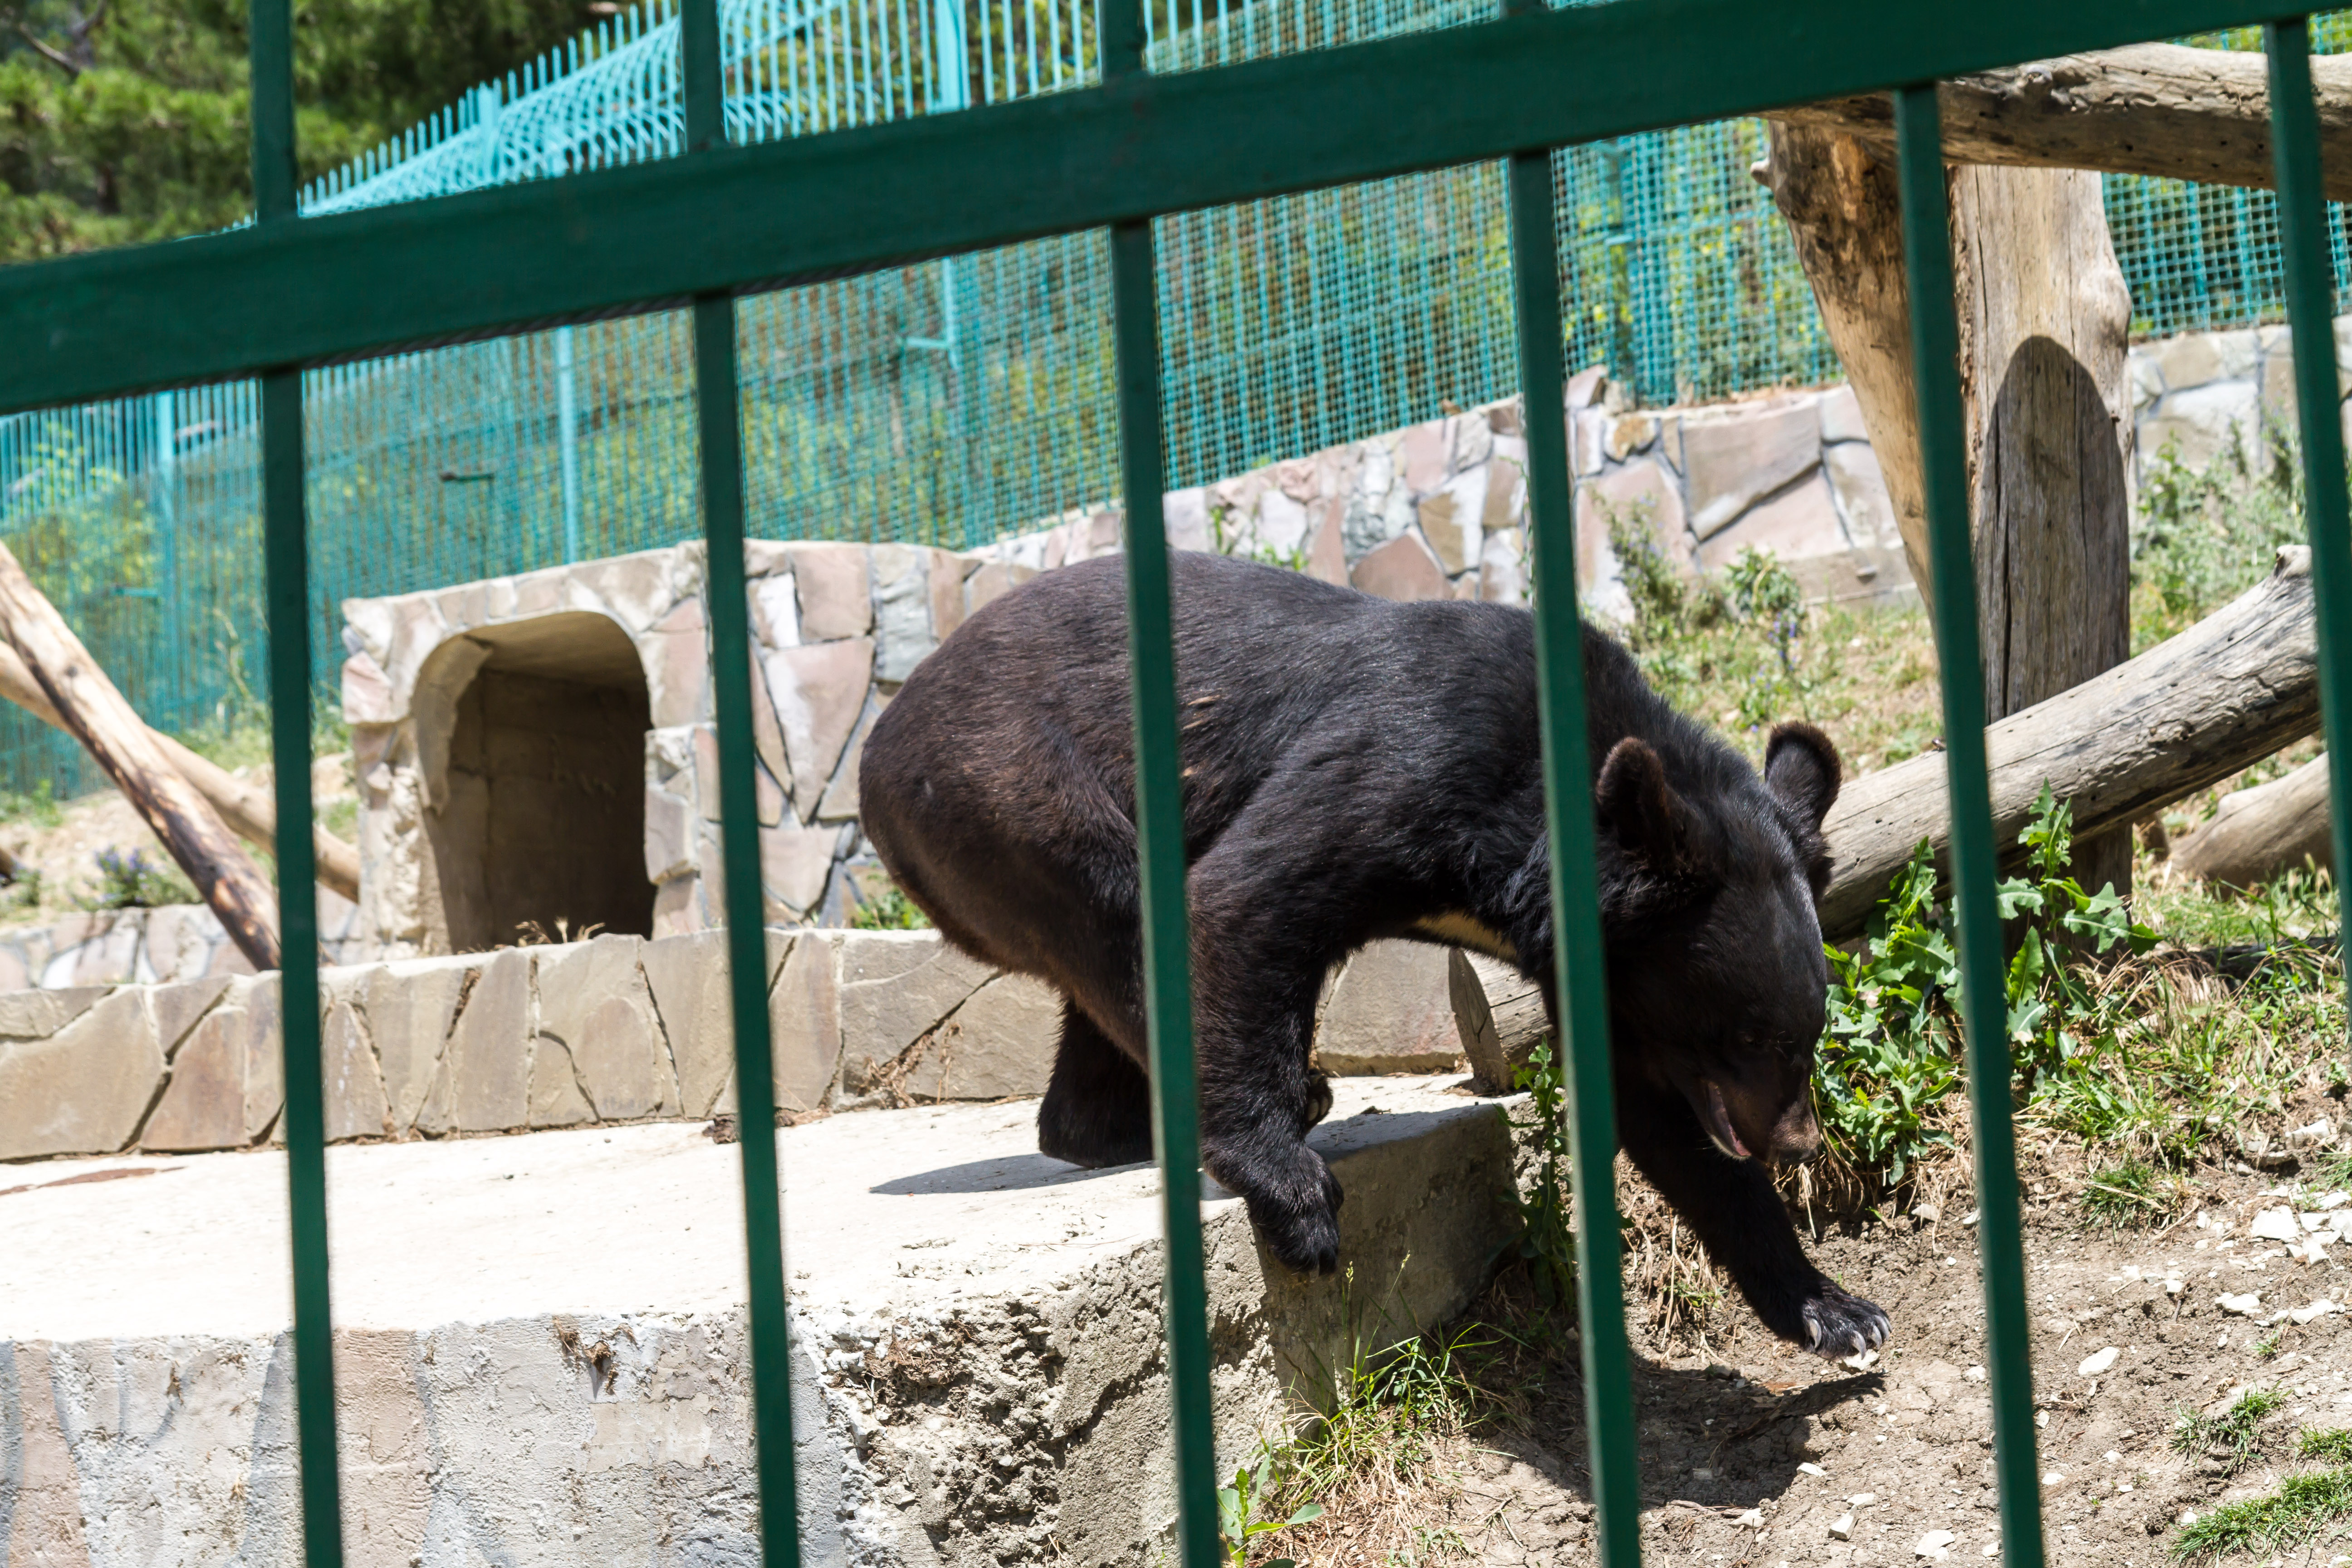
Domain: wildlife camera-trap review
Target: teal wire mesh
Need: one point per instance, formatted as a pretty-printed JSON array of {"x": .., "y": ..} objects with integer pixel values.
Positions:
[{"x": 950, "y": 402}]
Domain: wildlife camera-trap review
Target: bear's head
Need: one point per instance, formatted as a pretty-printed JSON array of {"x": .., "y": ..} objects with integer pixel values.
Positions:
[{"x": 1717, "y": 980}]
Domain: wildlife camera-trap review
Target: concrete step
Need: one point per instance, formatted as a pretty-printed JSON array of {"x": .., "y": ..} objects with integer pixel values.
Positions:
[{"x": 539, "y": 1339}]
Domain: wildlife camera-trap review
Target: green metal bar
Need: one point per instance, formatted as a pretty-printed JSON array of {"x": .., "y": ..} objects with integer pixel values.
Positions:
[
  {"x": 2303, "y": 235},
  {"x": 1578, "y": 965},
  {"x": 286, "y": 596},
  {"x": 1984, "y": 1002},
  {"x": 720, "y": 423},
  {"x": 1159, "y": 844},
  {"x": 133, "y": 320}
]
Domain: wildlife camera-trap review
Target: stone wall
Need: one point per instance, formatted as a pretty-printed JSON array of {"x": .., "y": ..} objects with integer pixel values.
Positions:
[
  {"x": 1436, "y": 510},
  {"x": 172, "y": 941},
  {"x": 2202, "y": 391},
  {"x": 615, "y": 1030}
]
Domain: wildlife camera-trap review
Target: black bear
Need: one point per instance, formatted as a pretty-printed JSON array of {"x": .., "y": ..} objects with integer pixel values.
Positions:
[{"x": 1356, "y": 769}]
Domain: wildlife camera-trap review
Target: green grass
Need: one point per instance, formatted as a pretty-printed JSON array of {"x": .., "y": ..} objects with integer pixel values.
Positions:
[
  {"x": 2298, "y": 1512},
  {"x": 2132, "y": 1196},
  {"x": 888, "y": 908},
  {"x": 2331, "y": 1446},
  {"x": 2234, "y": 1438}
]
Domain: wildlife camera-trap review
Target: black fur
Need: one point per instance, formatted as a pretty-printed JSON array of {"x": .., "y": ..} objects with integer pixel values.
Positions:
[{"x": 1356, "y": 769}]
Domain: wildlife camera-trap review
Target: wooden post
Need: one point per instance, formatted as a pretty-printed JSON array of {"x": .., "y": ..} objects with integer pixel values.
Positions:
[
  {"x": 246, "y": 808},
  {"x": 97, "y": 715},
  {"x": 2044, "y": 314}
]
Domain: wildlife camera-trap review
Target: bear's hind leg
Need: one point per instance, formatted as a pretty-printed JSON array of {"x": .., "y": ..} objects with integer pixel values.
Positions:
[{"x": 1097, "y": 1106}]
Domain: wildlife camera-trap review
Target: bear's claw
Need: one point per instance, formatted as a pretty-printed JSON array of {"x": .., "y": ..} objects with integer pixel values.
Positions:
[{"x": 1837, "y": 1325}]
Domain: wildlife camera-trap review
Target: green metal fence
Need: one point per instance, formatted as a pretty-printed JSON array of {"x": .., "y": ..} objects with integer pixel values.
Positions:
[
  {"x": 946, "y": 401},
  {"x": 291, "y": 292}
]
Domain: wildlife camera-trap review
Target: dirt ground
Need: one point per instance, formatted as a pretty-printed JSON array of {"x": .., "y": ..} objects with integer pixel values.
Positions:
[{"x": 1754, "y": 1454}]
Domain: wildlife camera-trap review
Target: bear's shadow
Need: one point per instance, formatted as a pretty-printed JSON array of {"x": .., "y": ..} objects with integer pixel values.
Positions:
[{"x": 1021, "y": 1172}]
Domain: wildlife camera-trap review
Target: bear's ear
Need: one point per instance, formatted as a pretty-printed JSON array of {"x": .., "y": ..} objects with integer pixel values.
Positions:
[
  {"x": 1800, "y": 768},
  {"x": 1634, "y": 801}
]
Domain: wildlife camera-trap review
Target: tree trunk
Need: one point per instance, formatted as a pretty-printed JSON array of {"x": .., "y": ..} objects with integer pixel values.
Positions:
[
  {"x": 1498, "y": 1013},
  {"x": 2044, "y": 317},
  {"x": 2260, "y": 832},
  {"x": 2153, "y": 109},
  {"x": 246, "y": 808},
  {"x": 97, "y": 716},
  {"x": 2187, "y": 713}
]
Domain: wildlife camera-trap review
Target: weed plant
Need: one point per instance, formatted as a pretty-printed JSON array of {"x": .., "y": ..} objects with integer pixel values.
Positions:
[
  {"x": 134, "y": 882},
  {"x": 2232, "y": 1440},
  {"x": 1893, "y": 1052},
  {"x": 1545, "y": 1244},
  {"x": 889, "y": 909},
  {"x": 2206, "y": 535}
]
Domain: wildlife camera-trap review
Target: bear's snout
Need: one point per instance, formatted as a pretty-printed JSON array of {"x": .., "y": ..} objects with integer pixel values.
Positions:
[{"x": 1796, "y": 1136}]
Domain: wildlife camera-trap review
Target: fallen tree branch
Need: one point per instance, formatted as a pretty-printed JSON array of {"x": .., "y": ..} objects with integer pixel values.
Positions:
[
  {"x": 248, "y": 809},
  {"x": 96, "y": 714},
  {"x": 2189, "y": 712},
  {"x": 2258, "y": 833},
  {"x": 2151, "y": 109}
]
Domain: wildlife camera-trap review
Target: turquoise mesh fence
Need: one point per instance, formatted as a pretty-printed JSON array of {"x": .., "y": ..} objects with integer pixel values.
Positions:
[{"x": 949, "y": 402}]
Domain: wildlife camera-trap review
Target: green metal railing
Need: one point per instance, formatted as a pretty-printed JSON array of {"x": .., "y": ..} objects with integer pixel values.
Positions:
[{"x": 290, "y": 293}]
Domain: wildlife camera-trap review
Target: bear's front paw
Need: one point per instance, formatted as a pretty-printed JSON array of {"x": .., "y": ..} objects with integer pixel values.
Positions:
[
  {"x": 1318, "y": 1098},
  {"x": 1837, "y": 1325},
  {"x": 1302, "y": 1231}
]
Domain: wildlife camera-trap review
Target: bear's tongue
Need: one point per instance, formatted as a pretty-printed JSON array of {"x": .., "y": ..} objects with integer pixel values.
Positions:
[{"x": 1718, "y": 1121}]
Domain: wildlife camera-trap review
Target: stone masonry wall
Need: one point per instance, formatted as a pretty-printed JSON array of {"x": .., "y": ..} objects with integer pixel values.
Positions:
[{"x": 615, "y": 1030}]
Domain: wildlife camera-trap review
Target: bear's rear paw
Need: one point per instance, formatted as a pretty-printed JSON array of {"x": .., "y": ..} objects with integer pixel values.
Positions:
[
  {"x": 1301, "y": 1228},
  {"x": 1837, "y": 1325}
]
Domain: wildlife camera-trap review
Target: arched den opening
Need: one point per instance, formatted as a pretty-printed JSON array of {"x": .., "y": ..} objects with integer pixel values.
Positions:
[{"x": 543, "y": 824}]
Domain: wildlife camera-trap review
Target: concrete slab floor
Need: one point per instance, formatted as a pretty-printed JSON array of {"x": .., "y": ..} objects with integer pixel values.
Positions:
[{"x": 541, "y": 1336}]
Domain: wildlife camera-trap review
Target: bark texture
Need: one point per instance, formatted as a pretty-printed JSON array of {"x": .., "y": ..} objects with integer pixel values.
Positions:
[
  {"x": 1500, "y": 1012},
  {"x": 2044, "y": 319},
  {"x": 2261, "y": 832},
  {"x": 97, "y": 716},
  {"x": 2194, "y": 709},
  {"x": 2152, "y": 109}
]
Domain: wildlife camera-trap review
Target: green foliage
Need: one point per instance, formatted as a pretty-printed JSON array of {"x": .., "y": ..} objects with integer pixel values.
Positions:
[
  {"x": 134, "y": 882},
  {"x": 1230, "y": 542},
  {"x": 1545, "y": 1244},
  {"x": 2234, "y": 1438},
  {"x": 38, "y": 806},
  {"x": 888, "y": 909},
  {"x": 2298, "y": 1511},
  {"x": 2332, "y": 1446},
  {"x": 127, "y": 121},
  {"x": 1893, "y": 1050},
  {"x": 2207, "y": 534},
  {"x": 2130, "y": 1195},
  {"x": 1237, "y": 1519}
]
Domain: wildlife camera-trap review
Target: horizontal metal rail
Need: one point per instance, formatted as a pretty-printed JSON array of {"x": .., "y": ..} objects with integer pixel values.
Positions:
[
  {"x": 606, "y": 242},
  {"x": 1114, "y": 156}
]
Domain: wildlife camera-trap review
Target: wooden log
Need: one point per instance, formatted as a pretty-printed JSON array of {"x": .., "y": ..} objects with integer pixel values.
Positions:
[
  {"x": 2044, "y": 316},
  {"x": 248, "y": 809},
  {"x": 2152, "y": 109},
  {"x": 1499, "y": 1014},
  {"x": 2044, "y": 320},
  {"x": 97, "y": 715},
  {"x": 2195, "y": 709},
  {"x": 2261, "y": 832}
]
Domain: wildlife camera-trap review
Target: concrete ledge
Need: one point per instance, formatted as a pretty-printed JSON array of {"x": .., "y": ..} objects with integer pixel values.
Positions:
[
  {"x": 539, "y": 1339},
  {"x": 616, "y": 1030}
]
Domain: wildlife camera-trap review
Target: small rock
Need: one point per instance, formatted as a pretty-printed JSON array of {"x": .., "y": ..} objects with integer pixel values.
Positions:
[
  {"x": 1928, "y": 1212},
  {"x": 2111, "y": 1456},
  {"x": 2317, "y": 1310},
  {"x": 1976, "y": 1374},
  {"x": 2188, "y": 1516},
  {"x": 1752, "y": 1519},
  {"x": 1862, "y": 1362},
  {"x": 1863, "y": 1500},
  {"x": 1841, "y": 1528},
  {"x": 2276, "y": 1225},
  {"x": 1970, "y": 1217},
  {"x": 2312, "y": 1137},
  {"x": 1811, "y": 1469},
  {"x": 2244, "y": 1305},
  {"x": 2053, "y": 1478},
  {"x": 2098, "y": 1362},
  {"x": 1935, "y": 1545},
  {"x": 2174, "y": 1287},
  {"x": 1993, "y": 1549}
]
